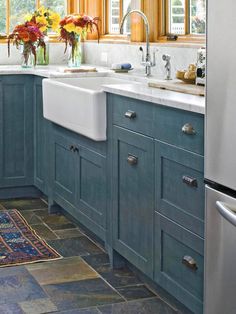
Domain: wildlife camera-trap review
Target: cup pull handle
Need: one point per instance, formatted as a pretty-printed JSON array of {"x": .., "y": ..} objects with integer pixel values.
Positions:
[
  {"x": 132, "y": 160},
  {"x": 190, "y": 181},
  {"x": 130, "y": 114},
  {"x": 189, "y": 262},
  {"x": 188, "y": 129}
]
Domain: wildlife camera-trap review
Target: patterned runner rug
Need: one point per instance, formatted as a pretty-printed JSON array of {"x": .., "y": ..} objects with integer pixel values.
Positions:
[{"x": 19, "y": 243}]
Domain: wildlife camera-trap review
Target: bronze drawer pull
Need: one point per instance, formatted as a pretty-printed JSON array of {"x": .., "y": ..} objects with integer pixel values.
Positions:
[
  {"x": 188, "y": 129},
  {"x": 189, "y": 262},
  {"x": 130, "y": 114},
  {"x": 190, "y": 181},
  {"x": 132, "y": 160},
  {"x": 72, "y": 147}
]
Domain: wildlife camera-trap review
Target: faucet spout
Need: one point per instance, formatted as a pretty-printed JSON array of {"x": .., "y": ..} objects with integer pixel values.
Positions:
[{"x": 148, "y": 62}]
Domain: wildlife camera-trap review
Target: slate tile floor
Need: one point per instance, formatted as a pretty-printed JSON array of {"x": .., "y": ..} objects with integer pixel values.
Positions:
[{"x": 80, "y": 283}]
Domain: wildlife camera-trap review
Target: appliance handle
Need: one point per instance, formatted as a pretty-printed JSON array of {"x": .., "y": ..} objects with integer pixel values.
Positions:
[{"x": 226, "y": 212}]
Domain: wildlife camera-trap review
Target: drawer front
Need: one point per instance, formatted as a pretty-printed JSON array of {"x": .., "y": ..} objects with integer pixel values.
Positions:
[
  {"x": 179, "y": 262},
  {"x": 180, "y": 186},
  {"x": 133, "y": 114},
  {"x": 180, "y": 128}
]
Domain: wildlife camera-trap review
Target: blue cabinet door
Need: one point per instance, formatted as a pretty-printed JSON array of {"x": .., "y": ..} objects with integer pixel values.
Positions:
[
  {"x": 79, "y": 180},
  {"x": 91, "y": 190},
  {"x": 179, "y": 262},
  {"x": 41, "y": 140},
  {"x": 63, "y": 174},
  {"x": 133, "y": 197},
  {"x": 16, "y": 131}
]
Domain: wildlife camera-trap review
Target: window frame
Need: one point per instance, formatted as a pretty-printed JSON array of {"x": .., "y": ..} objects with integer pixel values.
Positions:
[
  {"x": 164, "y": 25},
  {"x": 72, "y": 6},
  {"x": 156, "y": 12},
  {"x": 158, "y": 16}
]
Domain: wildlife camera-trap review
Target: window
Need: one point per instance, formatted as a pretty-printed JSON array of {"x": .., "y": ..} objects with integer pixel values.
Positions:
[
  {"x": 12, "y": 12},
  {"x": 115, "y": 11},
  {"x": 186, "y": 17}
]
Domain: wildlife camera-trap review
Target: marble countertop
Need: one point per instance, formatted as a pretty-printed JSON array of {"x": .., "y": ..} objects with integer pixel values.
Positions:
[{"x": 137, "y": 87}]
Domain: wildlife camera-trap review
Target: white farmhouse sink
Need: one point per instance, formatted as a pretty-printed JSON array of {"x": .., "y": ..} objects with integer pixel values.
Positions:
[{"x": 78, "y": 104}]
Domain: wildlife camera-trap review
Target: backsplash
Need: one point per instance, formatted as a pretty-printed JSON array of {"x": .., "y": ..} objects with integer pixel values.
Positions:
[
  {"x": 56, "y": 54},
  {"x": 104, "y": 54}
]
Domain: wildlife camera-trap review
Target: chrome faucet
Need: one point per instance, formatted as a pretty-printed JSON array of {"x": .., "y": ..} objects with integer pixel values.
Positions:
[
  {"x": 148, "y": 62},
  {"x": 167, "y": 66}
]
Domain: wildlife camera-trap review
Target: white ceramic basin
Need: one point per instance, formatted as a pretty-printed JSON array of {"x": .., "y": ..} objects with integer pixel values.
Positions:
[{"x": 78, "y": 104}]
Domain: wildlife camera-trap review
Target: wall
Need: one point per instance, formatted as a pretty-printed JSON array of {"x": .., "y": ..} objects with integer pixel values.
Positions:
[
  {"x": 56, "y": 54},
  {"x": 181, "y": 57}
]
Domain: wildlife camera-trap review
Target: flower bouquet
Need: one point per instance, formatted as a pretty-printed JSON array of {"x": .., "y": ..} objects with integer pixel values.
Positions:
[
  {"x": 72, "y": 29},
  {"x": 27, "y": 37},
  {"x": 48, "y": 21}
]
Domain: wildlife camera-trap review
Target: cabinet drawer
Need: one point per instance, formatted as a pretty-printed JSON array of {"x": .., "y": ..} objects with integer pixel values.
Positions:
[
  {"x": 180, "y": 186},
  {"x": 180, "y": 128},
  {"x": 133, "y": 114},
  {"x": 179, "y": 262}
]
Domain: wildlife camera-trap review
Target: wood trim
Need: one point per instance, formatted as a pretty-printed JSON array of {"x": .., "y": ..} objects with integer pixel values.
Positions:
[{"x": 94, "y": 8}]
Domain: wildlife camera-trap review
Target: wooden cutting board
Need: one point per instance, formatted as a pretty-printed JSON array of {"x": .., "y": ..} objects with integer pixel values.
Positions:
[
  {"x": 80, "y": 70},
  {"x": 179, "y": 86}
]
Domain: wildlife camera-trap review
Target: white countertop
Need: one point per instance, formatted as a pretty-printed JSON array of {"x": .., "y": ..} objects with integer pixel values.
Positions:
[{"x": 138, "y": 90}]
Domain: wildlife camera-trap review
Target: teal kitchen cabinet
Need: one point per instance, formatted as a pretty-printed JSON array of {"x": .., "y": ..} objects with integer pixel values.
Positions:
[
  {"x": 180, "y": 186},
  {"x": 158, "y": 193},
  {"x": 41, "y": 140},
  {"x": 179, "y": 262},
  {"x": 78, "y": 180},
  {"x": 91, "y": 191},
  {"x": 16, "y": 131},
  {"x": 133, "y": 197},
  {"x": 63, "y": 171}
]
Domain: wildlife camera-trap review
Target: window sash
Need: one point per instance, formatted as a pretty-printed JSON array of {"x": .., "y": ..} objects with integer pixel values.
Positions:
[{"x": 71, "y": 6}]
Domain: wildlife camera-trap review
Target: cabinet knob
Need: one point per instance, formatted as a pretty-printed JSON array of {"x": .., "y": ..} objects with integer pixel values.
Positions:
[
  {"x": 189, "y": 262},
  {"x": 190, "y": 181},
  {"x": 72, "y": 148},
  {"x": 188, "y": 129},
  {"x": 132, "y": 160},
  {"x": 130, "y": 114}
]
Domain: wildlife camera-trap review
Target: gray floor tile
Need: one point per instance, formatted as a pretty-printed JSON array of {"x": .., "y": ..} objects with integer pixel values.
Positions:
[
  {"x": 79, "y": 246},
  {"x": 82, "y": 294},
  {"x": 135, "y": 292},
  {"x": 24, "y": 204},
  {"x": 17, "y": 285},
  {"x": 150, "y": 306}
]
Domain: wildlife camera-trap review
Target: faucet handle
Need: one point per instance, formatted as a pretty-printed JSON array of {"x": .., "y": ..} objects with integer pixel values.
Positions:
[{"x": 141, "y": 49}]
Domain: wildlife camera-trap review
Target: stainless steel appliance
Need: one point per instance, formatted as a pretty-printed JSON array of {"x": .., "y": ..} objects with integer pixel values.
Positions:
[
  {"x": 201, "y": 66},
  {"x": 220, "y": 163}
]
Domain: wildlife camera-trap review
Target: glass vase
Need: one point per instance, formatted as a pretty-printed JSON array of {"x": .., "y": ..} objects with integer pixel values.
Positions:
[
  {"x": 27, "y": 57},
  {"x": 43, "y": 53},
  {"x": 75, "y": 53}
]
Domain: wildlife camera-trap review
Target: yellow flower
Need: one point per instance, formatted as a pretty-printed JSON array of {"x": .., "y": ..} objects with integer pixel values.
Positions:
[
  {"x": 70, "y": 27},
  {"x": 41, "y": 10},
  {"x": 78, "y": 30},
  {"x": 55, "y": 18},
  {"x": 28, "y": 17},
  {"x": 43, "y": 22}
]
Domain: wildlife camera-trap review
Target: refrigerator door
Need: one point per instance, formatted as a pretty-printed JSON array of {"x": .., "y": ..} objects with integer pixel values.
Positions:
[
  {"x": 220, "y": 149},
  {"x": 220, "y": 253}
]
